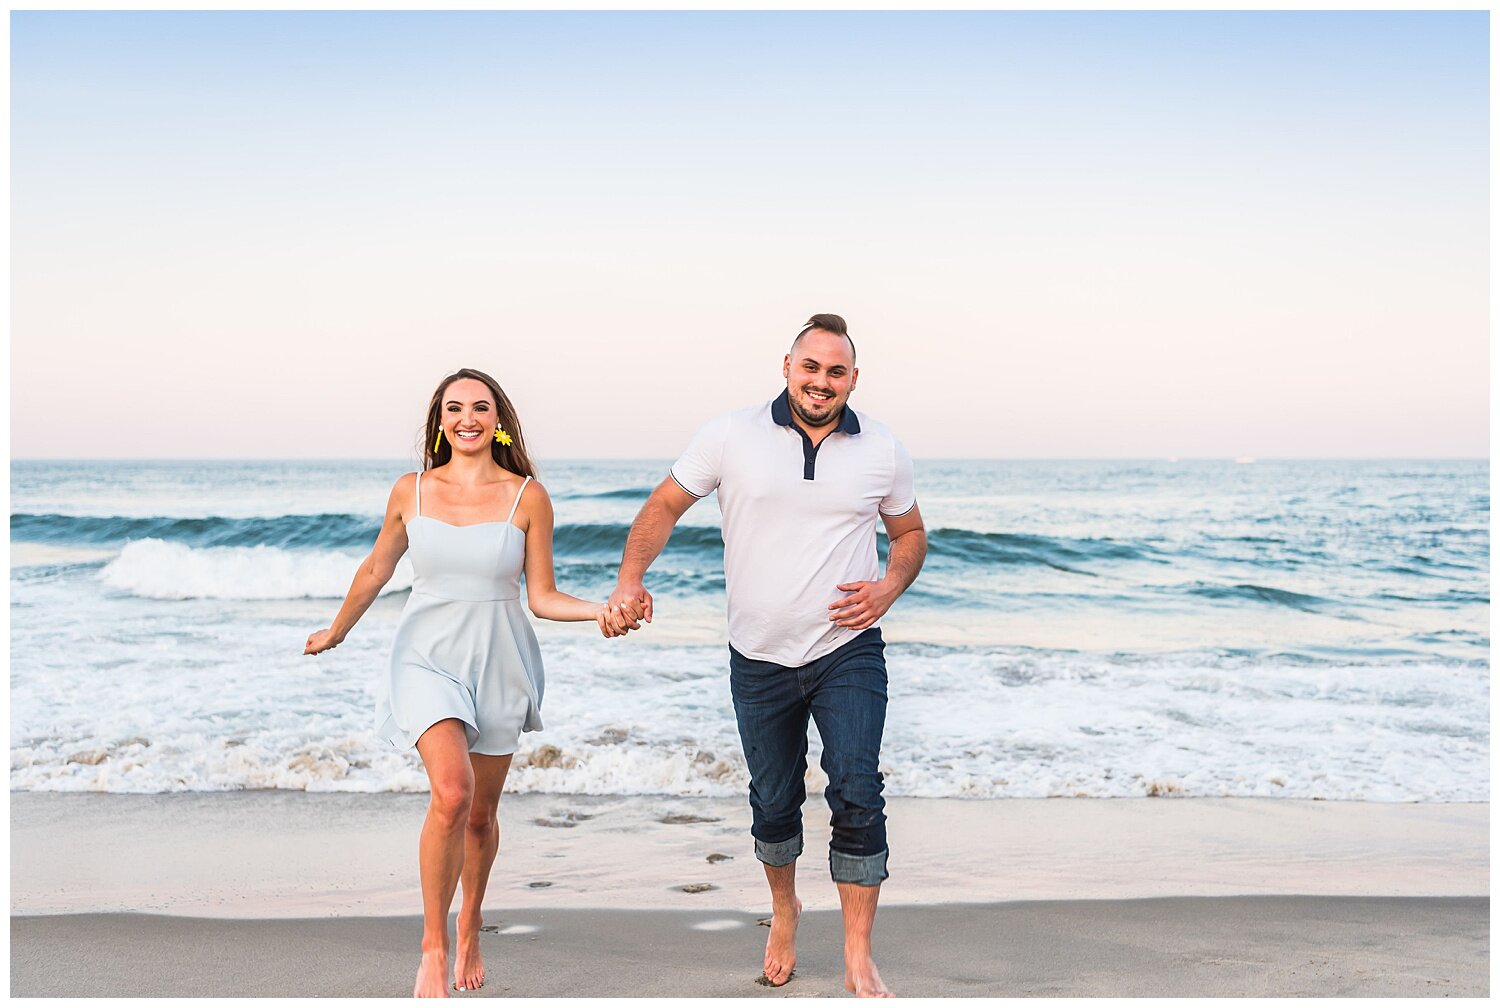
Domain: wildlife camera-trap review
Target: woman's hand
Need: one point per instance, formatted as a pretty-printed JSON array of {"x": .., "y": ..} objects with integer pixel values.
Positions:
[
  {"x": 322, "y": 640},
  {"x": 377, "y": 569}
]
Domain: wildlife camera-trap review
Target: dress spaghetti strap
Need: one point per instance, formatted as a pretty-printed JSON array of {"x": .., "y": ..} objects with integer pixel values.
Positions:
[
  {"x": 517, "y": 502},
  {"x": 419, "y": 495}
]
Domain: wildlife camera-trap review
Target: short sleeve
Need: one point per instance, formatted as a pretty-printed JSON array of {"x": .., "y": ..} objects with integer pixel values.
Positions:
[
  {"x": 699, "y": 468},
  {"x": 902, "y": 496}
]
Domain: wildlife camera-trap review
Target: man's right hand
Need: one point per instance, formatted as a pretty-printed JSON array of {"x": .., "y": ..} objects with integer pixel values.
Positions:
[
  {"x": 648, "y": 536},
  {"x": 633, "y": 602}
]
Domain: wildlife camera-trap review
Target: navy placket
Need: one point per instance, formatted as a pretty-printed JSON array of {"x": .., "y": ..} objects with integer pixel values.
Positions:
[{"x": 781, "y": 413}]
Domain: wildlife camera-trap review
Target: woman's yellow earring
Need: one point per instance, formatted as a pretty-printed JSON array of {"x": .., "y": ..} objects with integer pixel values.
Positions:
[
  {"x": 502, "y": 437},
  {"x": 438, "y": 443}
]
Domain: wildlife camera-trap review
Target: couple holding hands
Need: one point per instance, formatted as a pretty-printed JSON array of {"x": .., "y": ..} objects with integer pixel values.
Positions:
[{"x": 801, "y": 481}]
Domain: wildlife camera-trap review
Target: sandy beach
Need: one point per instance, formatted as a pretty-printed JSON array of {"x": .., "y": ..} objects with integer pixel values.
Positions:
[{"x": 288, "y": 893}]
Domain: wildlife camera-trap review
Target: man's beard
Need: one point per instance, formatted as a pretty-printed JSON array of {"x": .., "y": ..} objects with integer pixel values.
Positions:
[{"x": 815, "y": 421}]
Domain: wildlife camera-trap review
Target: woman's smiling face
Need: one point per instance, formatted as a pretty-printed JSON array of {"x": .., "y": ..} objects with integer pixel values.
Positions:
[{"x": 468, "y": 416}]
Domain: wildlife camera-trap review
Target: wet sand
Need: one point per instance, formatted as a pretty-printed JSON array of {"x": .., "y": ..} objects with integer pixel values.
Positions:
[
  {"x": 288, "y": 893},
  {"x": 1252, "y": 945}
]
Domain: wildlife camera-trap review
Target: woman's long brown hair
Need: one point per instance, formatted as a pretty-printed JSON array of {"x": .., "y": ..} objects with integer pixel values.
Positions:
[{"x": 512, "y": 456}]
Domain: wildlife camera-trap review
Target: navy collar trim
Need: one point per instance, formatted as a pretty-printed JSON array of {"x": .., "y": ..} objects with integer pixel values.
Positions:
[{"x": 781, "y": 412}]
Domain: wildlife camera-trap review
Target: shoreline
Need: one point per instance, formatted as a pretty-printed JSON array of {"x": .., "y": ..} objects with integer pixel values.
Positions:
[{"x": 266, "y": 854}]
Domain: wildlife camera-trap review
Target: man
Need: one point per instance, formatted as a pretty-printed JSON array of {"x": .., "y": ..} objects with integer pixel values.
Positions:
[{"x": 801, "y": 480}]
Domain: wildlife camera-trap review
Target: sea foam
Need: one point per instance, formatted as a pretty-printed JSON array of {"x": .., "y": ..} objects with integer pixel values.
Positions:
[
  {"x": 1314, "y": 630},
  {"x": 151, "y": 568}
]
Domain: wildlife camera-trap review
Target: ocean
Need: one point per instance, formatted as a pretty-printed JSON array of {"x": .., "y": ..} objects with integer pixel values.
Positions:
[{"x": 1300, "y": 629}]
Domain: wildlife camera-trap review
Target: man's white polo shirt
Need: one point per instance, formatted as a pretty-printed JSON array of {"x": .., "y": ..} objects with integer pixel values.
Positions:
[{"x": 799, "y": 520}]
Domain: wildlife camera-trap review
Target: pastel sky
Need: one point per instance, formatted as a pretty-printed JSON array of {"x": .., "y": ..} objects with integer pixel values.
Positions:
[{"x": 1057, "y": 234}]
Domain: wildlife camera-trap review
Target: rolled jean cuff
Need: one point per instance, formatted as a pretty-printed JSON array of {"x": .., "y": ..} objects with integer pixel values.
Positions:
[
  {"x": 858, "y": 869},
  {"x": 783, "y": 852}
]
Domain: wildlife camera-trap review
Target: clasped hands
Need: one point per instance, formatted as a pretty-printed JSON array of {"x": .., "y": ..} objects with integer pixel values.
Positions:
[
  {"x": 866, "y": 602},
  {"x": 626, "y": 608}
]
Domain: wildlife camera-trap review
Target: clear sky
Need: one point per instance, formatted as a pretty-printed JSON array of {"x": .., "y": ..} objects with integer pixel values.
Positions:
[{"x": 1059, "y": 234}]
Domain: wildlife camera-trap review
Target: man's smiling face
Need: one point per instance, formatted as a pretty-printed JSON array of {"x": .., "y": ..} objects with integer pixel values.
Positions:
[{"x": 820, "y": 374}]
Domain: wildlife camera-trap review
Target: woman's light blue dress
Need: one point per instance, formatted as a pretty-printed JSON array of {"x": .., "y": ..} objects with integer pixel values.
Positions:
[{"x": 464, "y": 648}]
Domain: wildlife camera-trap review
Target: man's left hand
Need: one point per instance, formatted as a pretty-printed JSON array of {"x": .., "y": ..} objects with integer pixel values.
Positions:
[{"x": 867, "y": 602}]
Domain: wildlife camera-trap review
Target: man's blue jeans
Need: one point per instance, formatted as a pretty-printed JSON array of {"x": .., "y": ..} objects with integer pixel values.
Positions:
[{"x": 845, "y": 693}]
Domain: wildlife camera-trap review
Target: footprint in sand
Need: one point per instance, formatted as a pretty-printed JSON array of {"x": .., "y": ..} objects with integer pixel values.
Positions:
[
  {"x": 537, "y": 885},
  {"x": 676, "y": 818},
  {"x": 563, "y": 820},
  {"x": 718, "y": 858},
  {"x": 697, "y": 887},
  {"x": 492, "y": 928}
]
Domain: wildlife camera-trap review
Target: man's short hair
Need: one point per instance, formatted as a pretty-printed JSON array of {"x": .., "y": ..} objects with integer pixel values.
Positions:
[{"x": 828, "y": 323}]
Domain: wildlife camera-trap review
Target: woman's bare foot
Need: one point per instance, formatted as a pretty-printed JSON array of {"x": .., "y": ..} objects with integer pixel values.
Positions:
[
  {"x": 432, "y": 975},
  {"x": 862, "y": 978},
  {"x": 781, "y": 946},
  {"x": 468, "y": 964}
]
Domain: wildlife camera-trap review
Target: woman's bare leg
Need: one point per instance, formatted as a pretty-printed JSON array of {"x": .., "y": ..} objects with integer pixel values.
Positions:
[
  {"x": 445, "y": 753},
  {"x": 481, "y": 843}
]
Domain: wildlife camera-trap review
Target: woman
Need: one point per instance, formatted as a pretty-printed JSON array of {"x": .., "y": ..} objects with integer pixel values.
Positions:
[{"x": 465, "y": 676}]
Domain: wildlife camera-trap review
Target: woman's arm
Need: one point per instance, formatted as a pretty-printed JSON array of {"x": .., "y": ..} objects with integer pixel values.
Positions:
[
  {"x": 374, "y": 572},
  {"x": 542, "y": 596}
]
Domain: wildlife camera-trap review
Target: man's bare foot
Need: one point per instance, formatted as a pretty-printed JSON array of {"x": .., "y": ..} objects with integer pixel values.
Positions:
[
  {"x": 468, "y": 964},
  {"x": 862, "y": 978},
  {"x": 781, "y": 946},
  {"x": 432, "y": 975}
]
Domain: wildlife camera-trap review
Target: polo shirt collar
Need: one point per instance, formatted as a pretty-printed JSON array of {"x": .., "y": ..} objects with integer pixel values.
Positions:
[{"x": 781, "y": 412}]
